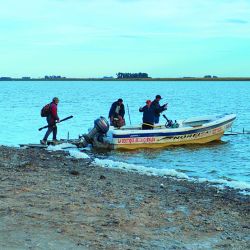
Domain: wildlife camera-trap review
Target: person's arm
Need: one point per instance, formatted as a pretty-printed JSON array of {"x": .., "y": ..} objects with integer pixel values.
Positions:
[
  {"x": 163, "y": 107},
  {"x": 122, "y": 111},
  {"x": 112, "y": 110},
  {"x": 141, "y": 109}
]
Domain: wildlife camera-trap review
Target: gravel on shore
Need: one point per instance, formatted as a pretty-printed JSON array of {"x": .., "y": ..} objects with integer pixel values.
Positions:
[{"x": 49, "y": 200}]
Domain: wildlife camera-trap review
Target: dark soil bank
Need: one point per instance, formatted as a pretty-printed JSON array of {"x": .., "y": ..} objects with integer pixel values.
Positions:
[{"x": 51, "y": 201}]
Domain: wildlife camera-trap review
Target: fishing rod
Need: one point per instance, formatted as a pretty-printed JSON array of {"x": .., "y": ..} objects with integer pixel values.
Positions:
[
  {"x": 64, "y": 119},
  {"x": 129, "y": 115}
]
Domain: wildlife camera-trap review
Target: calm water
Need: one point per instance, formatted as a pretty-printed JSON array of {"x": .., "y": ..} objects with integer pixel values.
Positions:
[{"x": 227, "y": 161}]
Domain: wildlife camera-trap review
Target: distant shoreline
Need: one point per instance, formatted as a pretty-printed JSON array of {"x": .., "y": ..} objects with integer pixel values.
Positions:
[{"x": 188, "y": 79}]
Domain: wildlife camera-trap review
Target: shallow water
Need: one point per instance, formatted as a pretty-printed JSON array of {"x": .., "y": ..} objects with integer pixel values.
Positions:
[{"x": 226, "y": 161}]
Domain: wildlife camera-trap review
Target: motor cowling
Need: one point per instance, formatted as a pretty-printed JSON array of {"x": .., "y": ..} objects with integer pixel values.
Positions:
[{"x": 101, "y": 127}]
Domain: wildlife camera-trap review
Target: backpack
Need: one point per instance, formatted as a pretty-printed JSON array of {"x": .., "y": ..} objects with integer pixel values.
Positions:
[{"x": 45, "y": 111}]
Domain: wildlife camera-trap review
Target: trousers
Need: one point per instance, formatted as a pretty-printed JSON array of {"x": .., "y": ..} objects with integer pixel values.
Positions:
[{"x": 51, "y": 128}]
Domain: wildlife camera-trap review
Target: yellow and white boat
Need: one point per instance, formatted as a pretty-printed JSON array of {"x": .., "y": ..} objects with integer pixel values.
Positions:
[{"x": 196, "y": 130}]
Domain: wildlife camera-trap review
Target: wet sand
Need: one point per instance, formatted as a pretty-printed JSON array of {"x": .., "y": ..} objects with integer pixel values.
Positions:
[{"x": 49, "y": 200}]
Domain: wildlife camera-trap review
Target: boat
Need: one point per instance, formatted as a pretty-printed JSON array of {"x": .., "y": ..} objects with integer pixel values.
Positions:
[{"x": 195, "y": 130}]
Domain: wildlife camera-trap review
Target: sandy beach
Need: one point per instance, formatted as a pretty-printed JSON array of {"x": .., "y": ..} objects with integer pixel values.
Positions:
[{"x": 49, "y": 200}]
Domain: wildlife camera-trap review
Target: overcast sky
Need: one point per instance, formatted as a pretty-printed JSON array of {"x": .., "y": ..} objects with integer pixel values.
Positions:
[{"x": 95, "y": 38}]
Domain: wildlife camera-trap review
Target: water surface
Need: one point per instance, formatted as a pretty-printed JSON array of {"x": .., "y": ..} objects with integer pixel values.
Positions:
[{"x": 228, "y": 160}]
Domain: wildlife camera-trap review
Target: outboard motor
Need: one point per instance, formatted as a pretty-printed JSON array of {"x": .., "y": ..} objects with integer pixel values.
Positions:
[{"x": 101, "y": 127}]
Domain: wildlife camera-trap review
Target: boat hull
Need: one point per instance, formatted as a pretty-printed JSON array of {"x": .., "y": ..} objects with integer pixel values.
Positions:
[
  {"x": 168, "y": 143},
  {"x": 160, "y": 138}
]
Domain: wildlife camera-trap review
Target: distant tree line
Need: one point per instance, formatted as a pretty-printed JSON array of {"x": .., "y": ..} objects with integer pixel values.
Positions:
[
  {"x": 5, "y": 78},
  {"x": 53, "y": 77},
  {"x": 131, "y": 75}
]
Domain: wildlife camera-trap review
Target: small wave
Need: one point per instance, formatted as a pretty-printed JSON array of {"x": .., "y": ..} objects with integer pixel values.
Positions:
[
  {"x": 233, "y": 184},
  {"x": 212, "y": 171},
  {"x": 184, "y": 170},
  {"x": 138, "y": 168},
  {"x": 243, "y": 186}
]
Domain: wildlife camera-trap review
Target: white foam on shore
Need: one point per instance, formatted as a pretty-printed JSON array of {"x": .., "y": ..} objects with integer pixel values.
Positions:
[
  {"x": 78, "y": 154},
  {"x": 243, "y": 186},
  {"x": 72, "y": 149},
  {"x": 59, "y": 147},
  {"x": 138, "y": 168},
  {"x": 233, "y": 184}
]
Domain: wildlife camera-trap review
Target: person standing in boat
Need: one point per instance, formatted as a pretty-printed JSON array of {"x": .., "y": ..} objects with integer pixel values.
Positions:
[
  {"x": 52, "y": 119},
  {"x": 158, "y": 109},
  {"x": 148, "y": 115},
  {"x": 116, "y": 114}
]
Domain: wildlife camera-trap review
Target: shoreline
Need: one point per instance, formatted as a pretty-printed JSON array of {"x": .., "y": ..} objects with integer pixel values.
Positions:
[
  {"x": 159, "y": 79},
  {"x": 50, "y": 200}
]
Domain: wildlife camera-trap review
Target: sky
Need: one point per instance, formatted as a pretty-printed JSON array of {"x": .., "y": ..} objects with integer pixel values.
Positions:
[{"x": 96, "y": 38}]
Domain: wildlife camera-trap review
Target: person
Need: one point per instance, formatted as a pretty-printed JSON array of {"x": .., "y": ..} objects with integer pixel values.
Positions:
[
  {"x": 158, "y": 108},
  {"x": 52, "y": 119},
  {"x": 116, "y": 114},
  {"x": 148, "y": 115}
]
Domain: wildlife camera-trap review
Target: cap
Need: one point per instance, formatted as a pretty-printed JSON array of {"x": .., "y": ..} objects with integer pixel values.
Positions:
[
  {"x": 158, "y": 97},
  {"x": 148, "y": 101},
  {"x": 120, "y": 100}
]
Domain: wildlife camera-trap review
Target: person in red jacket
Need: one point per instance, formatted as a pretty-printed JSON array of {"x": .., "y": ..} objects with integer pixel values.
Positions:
[{"x": 52, "y": 119}]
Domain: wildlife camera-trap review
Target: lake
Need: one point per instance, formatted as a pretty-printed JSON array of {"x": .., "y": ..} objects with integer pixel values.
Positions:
[{"x": 226, "y": 162}]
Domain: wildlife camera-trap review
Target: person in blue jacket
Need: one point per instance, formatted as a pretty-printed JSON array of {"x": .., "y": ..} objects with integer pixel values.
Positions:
[
  {"x": 148, "y": 115},
  {"x": 158, "y": 108},
  {"x": 116, "y": 113}
]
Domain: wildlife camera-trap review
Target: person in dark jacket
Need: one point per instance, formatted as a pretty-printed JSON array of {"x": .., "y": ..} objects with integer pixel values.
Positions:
[
  {"x": 116, "y": 114},
  {"x": 52, "y": 119},
  {"x": 158, "y": 108},
  {"x": 148, "y": 116}
]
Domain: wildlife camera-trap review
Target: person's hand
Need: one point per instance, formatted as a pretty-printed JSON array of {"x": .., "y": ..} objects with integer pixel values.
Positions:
[
  {"x": 58, "y": 120},
  {"x": 165, "y": 106}
]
